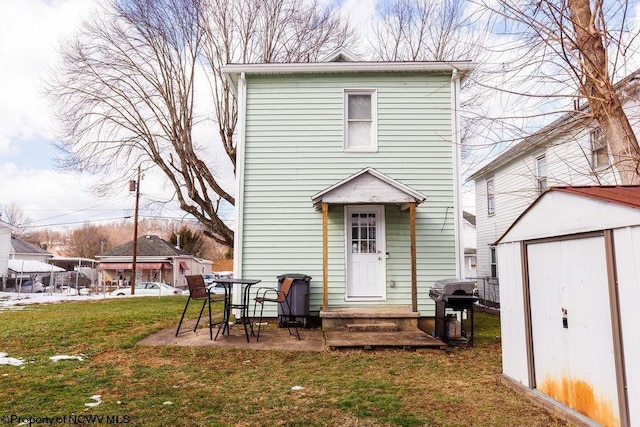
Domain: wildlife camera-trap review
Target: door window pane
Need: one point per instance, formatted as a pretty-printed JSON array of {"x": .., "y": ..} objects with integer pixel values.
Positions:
[{"x": 363, "y": 233}]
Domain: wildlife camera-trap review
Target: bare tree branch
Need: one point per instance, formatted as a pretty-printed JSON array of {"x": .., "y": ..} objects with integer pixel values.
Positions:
[{"x": 126, "y": 93}]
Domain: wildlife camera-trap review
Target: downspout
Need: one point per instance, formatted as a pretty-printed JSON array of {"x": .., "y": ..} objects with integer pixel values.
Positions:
[
  {"x": 457, "y": 191},
  {"x": 237, "y": 240}
]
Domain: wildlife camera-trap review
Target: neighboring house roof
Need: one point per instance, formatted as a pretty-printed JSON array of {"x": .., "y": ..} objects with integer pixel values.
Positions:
[
  {"x": 469, "y": 217},
  {"x": 368, "y": 186},
  {"x": 7, "y": 225},
  {"x": 619, "y": 195},
  {"x": 21, "y": 247},
  {"x": 150, "y": 246},
  {"x": 557, "y": 127},
  {"x": 32, "y": 266}
]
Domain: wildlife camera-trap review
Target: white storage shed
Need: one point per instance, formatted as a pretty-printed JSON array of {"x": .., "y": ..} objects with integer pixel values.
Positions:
[{"x": 569, "y": 271}]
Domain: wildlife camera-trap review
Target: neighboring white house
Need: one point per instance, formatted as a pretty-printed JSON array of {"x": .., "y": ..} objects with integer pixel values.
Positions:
[
  {"x": 347, "y": 172},
  {"x": 470, "y": 237},
  {"x": 570, "y": 301},
  {"x": 569, "y": 151},
  {"x": 5, "y": 247}
]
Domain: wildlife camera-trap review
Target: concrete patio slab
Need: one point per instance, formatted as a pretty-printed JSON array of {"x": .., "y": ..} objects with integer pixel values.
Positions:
[{"x": 313, "y": 339}]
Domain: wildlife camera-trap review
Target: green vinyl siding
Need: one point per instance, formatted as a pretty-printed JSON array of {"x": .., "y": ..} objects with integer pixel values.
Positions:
[{"x": 294, "y": 149}]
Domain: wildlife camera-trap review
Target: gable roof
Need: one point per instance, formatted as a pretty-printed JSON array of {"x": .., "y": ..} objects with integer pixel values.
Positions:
[
  {"x": 21, "y": 247},
  {"x": 342, "y": 55},
  {"x": 558, "y": 126},
  {"x": 150, "y": 245},
  {"x": 608, "y": 209},
  {"x": 368, "y": 186}
]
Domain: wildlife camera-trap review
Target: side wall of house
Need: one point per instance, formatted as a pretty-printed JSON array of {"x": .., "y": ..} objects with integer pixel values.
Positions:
[
  {"x": 294, "y": 149},
  {"x": 516, "y": 187},
  {"x": 5, "y": 244},
  {"x": 568, "y": 163}
]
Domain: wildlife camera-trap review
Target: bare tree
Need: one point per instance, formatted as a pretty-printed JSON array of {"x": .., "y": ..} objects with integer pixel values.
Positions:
[
  {"x": 415, "y": 30},
  {"x": 14, "y": 214},
  {"x": 126, "y": 93},
  {"x": 263, "y": 31},
  {"x": 575, "y": 50},
  {"x": 87, "y": 241}
]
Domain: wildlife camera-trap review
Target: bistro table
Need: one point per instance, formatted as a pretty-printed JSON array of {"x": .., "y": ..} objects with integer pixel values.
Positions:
[{"x": 243, "y": 305}]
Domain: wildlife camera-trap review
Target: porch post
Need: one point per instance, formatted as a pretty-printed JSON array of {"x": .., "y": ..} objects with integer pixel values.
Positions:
[
  {"x": 325, "y": 257},
  {"x": 414, "y": 269}
]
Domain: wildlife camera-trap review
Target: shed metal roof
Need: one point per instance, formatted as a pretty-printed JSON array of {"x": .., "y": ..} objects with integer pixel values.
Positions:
[{"x": 627, "y": 195}]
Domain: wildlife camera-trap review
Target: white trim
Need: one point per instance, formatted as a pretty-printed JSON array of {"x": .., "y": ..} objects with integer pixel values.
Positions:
[
  {"x": 345, "y": 53},
  {"x": 240, "y": 149},
  {"x": 381, "y": 241},
  {"x": 317, "y": 198},
  {"x": 373, "y": 147},
  {"x": 232, "y": 72}
]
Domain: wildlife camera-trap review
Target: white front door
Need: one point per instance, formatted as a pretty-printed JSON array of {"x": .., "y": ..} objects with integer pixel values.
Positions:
[{"x": 365, "y": 249}]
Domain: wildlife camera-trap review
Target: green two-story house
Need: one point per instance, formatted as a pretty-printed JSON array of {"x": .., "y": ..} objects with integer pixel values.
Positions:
[{"x": 347, "y": 172}]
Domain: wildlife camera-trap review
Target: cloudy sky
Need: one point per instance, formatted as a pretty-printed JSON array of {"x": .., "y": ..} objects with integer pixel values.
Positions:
[
  {"x": 30, "y": 31},
  {"x": 30, "y": 34}
]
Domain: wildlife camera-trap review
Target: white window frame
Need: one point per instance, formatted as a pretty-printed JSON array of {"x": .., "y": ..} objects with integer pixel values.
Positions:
[
  {"x": 598, "y": 145},
  {"x": 493, "y": 261},
  {"x": 491, "y": 197},
  {"x": 373, "y": 147},
  {"x": 541, "y": 176}
]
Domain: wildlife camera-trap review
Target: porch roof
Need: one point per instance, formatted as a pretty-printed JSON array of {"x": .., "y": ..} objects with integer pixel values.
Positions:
[{"x": 368, "y": 186}]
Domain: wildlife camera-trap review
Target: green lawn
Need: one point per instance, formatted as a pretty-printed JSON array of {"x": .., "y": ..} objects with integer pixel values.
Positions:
[{"x": 207, "y": 386}]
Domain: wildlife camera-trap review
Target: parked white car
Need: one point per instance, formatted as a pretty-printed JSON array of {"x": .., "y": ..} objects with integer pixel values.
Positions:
[
  {"x": 148, "y": 288},
  {"x": 209, "y": 280}
]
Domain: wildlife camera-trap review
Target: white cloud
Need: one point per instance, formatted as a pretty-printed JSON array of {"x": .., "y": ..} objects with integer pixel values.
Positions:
[{"x": 30, "y": 31}]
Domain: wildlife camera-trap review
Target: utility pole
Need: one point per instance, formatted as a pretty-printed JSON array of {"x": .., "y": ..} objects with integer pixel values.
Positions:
[{"x": 135, "y": 236}]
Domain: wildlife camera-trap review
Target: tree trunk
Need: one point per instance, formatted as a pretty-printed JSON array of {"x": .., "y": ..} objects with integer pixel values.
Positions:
[{"x": 597, "y": 87}]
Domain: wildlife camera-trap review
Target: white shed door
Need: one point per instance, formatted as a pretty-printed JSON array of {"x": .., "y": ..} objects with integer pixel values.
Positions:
[
  {"x": 365, "y": 252},
  {"x": 571, "y": 326}
]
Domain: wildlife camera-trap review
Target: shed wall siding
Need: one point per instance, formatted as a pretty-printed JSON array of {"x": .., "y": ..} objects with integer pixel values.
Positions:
[
  {"x": 294, "y": 149},
  {"x": 512, "y": 316}
]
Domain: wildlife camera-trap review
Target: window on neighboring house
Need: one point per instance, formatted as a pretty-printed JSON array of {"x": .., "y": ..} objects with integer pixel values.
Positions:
[
  {"x": 360, "y": 133},
  {"x": 494, "y": 261},
  {"x": 491, "y": 208},
  {"x": 599, "y": 152},
  {"x": 541, "y": 173}
]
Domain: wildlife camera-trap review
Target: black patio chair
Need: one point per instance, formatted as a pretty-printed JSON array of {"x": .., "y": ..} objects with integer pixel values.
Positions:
[
  {"x": 198, "y": 291},
  {"x": 280, "y": 297}
]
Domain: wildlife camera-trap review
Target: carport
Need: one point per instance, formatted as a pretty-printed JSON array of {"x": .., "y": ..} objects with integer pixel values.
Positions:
[{"x": 570, "y": 301}]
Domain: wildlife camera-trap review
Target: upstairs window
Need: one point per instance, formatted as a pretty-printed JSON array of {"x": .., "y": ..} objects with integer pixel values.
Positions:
[
  {"x": 599, "y": 152},
  {"x": 491, "y": 208},
  {"x": 360, "y": 133},
  {"x": 541, "y": 173}
]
